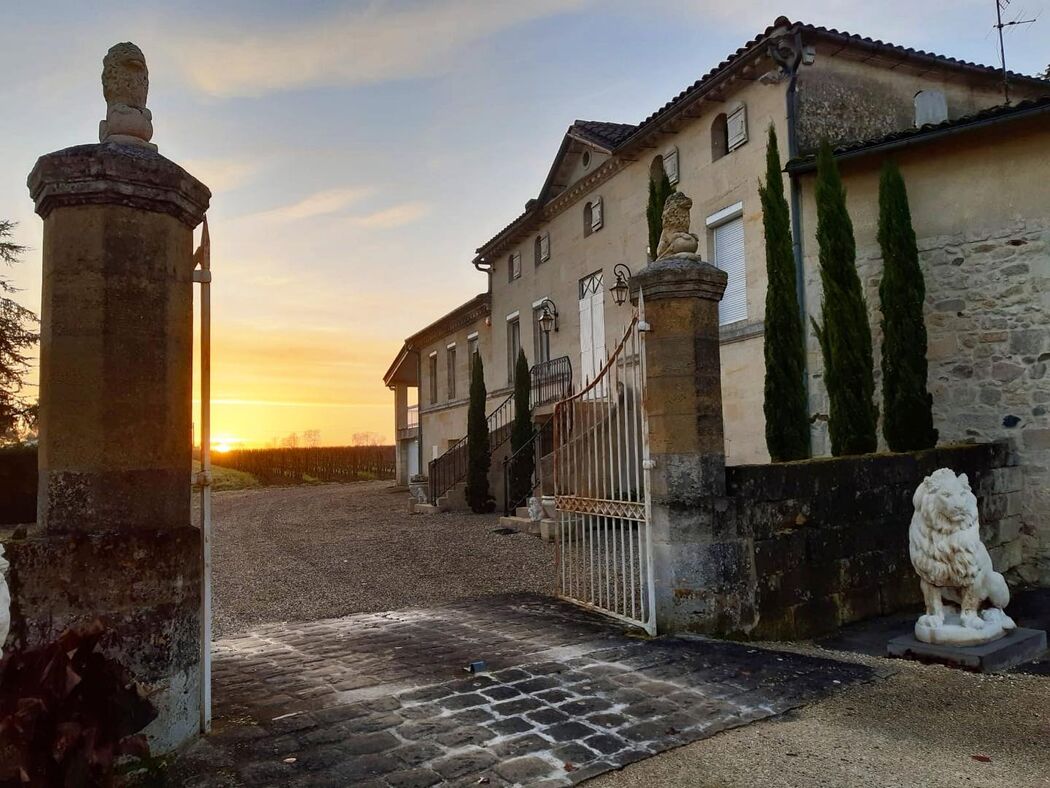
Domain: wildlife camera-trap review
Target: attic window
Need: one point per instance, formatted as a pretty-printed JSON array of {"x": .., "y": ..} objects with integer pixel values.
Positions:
[
  {"x": 719, "y": 137},
  {"x": 514, "y": 267},
  {"x": 586, "y": 159},
  {"x": 930, "y": 107},
  {"x": 592, "y": 216}
]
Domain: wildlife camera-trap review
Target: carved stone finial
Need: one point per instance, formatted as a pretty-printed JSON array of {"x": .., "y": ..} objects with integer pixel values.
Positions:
[
  {"x": 675, "y": 238},
  {"x": 954, "y": 568},
  {"x": 125, "y": 83}
]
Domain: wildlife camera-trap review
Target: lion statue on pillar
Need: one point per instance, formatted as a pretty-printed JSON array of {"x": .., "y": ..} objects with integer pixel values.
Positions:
[
  {"x": 954, "y": 567},
  {"x": 675, "y": 238}
]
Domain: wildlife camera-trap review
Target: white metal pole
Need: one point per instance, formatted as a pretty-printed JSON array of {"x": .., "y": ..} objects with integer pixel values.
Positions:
[{"x": 203, "y": 276}]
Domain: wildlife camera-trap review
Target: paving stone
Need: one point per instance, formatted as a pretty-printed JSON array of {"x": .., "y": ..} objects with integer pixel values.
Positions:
[
  {"x": 373, "y": 723},
  {"x": 510, "y": 674},
  {"x": 510, "y": 725},
  {"x": 417, "y": 753},
  {"x": 474, "y": 734},
  {"x": 568, "y": 731},
  {"x": 536, "y": 684},
  {"x": 524, "y": 770},
  {"x": 554, "y": 695},
  {"x": 607, "y": 720},
  {"x": 413, "y": 778},
  {"x": 464, "y": 701},
  {"x": 369, "y": 743},
  {"x": 500, "y": 692},
  {"x": 511, "y": 707},
  {"x": 521, "y": 745},
  {"x": 463, "y": 763},
  {"x": 605, "y": 743},
  {"x": 574, "y": 753},
  {"x": 471, "y": 716},
  {"x": 547, "y": 716},
  {"x": 361, "y": 767}
]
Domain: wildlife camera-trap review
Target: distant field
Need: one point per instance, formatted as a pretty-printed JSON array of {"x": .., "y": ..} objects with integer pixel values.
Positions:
[
  {"x": 310, "y": 465},
  {"x": 228, "y": 479}
]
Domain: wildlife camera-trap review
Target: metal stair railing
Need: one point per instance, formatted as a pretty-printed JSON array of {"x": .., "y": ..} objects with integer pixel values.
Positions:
[
  {"x": 446, "y": 471},
  {"x": 542, "y": 437}
]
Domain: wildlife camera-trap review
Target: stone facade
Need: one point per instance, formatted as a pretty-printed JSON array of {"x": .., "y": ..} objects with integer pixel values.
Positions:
[{"x": 829, "y": 538}]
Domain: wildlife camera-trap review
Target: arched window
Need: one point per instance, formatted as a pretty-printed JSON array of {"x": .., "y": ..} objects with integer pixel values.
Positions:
[
  {"x": 656, "y": 169},
  {"x": 592, "y": 216},
  {"x": 588, "y": 218},
  {"x": 719, "y": 137},
  {"x": 542, "y": 248},
  {"x": 930, "y": 107},
  {"x": 536, "y": 251}
]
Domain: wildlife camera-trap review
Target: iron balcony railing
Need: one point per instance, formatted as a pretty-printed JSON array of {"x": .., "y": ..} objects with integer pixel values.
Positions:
[
  {"x": 551, "y": 381},
  {"x": 412, "y": 417},
  {"x": 450, "y": 468},
  {"x": 539, "y": 445}
]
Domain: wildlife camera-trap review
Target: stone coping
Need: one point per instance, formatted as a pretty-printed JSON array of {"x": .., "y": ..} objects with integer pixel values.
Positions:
[{"x": 115, "y": 174}]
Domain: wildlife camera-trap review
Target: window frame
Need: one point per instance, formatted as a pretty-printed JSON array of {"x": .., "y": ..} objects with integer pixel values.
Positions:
[
  {"x": 450, "y": 372},
  {"x": 541, "y": 340},
  {"x": 511, "y": 275},
  {"x": 433, "y": 374},
  {"x": 730, "y": 213},
  {"x": 513, "y": 347}
]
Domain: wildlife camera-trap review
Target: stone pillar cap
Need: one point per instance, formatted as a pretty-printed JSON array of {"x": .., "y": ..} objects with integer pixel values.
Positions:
[
  {"x": 679, "y": 276},
  {"x": 115, "y": 174}
]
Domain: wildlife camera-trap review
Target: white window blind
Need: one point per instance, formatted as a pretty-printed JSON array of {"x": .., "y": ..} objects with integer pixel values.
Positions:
[
  {"x": 671, "y": 166},
  {"x": 736, "y": 126},
  {"x": 729, "y": 256}
]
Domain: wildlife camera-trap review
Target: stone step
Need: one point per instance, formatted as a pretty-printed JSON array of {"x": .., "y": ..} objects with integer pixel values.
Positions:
[{"x": 523, "y": 524}]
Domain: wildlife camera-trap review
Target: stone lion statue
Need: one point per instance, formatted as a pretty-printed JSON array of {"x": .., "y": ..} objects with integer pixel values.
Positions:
[
  {"x": 125, "y": 85},
  {"x": 675, "y": 238},
  {"x": 5, "y": 601},
  {"x": 954, "y": 566}
]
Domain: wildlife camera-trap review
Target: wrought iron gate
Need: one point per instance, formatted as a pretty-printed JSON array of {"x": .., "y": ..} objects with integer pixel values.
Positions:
[{"x": 601, "y": 484}]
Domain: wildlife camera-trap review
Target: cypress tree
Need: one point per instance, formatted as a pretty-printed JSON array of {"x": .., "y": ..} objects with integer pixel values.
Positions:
[
  {"x": 521, "y": 433},
  {"x": 479, "y": 498},
  {"x": 845, "y": 336},
  {"x": 659, "y": 190},
  {"x": 786, "y": 409},
  {"x": 907, "y": 407}
]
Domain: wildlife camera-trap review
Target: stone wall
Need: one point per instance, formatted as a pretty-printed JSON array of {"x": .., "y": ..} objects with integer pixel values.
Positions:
[
  {"x": 830, "y": 536},
  {"x": 988, "y": 324}
]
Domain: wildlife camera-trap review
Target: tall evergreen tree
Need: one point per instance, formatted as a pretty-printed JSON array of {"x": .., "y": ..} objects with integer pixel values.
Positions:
[
  {"x": 17, "y": 337},
  {"x": 521, "y": 433},
  {"x": 907, "y": 407},
  {"x": 479, "y": 497},
  {"x": 845, "y": 336},
  {"x": 659, "y": 190},
  {"x": 786, "y": 409}
]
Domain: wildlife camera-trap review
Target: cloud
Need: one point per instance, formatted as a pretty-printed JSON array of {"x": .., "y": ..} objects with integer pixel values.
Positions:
[
  {"x": 395, "y": 216},
  {"x": 320, "y": 203},
  {"x": 374, "y": 43},
  {"x": 221, "y": 175}
]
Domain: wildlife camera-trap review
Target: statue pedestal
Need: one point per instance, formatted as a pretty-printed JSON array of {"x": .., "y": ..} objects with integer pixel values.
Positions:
[{"x": 1015, "y": 648}]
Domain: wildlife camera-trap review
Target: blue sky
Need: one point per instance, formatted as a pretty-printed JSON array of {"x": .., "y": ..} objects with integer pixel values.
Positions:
[{"x": 360, "y": 151}]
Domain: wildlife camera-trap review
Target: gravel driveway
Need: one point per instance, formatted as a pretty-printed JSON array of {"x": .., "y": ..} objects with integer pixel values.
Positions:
[{"x": 323, "y": 551}]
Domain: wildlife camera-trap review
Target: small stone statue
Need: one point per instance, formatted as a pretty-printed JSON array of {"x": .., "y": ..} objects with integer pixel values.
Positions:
[
  {"x": 5, "y": 602},
  {"x": 675, "y": 238},
  {"x": 535, "y": 510},
  {"x": 125, "y": 83},
  {"x": 954, "y": 566}
]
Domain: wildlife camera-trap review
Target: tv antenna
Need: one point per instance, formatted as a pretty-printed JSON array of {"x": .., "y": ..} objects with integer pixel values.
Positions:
[{"x": 1000, "y": 6}]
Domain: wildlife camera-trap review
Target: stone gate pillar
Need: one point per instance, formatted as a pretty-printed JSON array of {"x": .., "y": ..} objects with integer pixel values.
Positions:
[
  {"x": 114, "y": 539},
  {"x": 700, "y": 567}
]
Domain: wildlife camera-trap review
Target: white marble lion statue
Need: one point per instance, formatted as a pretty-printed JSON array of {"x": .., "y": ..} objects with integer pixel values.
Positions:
[{"x": 954, "y": 566}]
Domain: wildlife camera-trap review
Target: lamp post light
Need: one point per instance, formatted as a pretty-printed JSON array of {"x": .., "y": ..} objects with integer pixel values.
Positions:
[
  {"x": 549, "y": 316},
  {"x": 621, "y": 289}
]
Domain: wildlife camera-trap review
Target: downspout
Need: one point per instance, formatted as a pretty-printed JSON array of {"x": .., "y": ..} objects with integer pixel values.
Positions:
[{"x": 419, "y": 414}]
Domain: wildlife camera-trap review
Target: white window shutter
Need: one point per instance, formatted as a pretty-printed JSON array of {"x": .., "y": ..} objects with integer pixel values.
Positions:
[
  {"x": 729, "y": 256},
  {"x": 736, "y": 124},
  {"x": 586, "y": 348},
  {"x": 545, "y": 247},
  {"x": 671, "y": 166},
  {"x": 596, "y": 214}
]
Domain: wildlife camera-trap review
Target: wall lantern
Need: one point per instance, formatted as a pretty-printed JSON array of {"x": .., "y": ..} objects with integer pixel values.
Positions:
[
  {"x": 622, "y": 288},
  {"x": 549, "y": 316}
]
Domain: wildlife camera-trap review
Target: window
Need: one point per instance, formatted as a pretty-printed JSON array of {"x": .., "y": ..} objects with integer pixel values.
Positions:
[
  {"x": 541, "y": 340},
  {"x": 592, "y": 216},
  {"x": 451, "y": 360},
  {"x": 514, "y": 267},
  {"x": 513, "y": 344},
  {"x": 719, "y": 137},
  {"x": 543, "y": 248},
  {"x": 736, "y": 128},
  {"x": 670, "y": 163},
  {"x": 930, "y": 107},
  {"x": 473, "y": 348},
  {"x": 727, "y": 242},
  {"x": 433, "y": 374},
  {"x": 586, "y": 159}
]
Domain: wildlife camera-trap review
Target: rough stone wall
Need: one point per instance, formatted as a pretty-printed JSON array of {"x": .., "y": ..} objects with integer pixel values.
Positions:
[
  {"x": 988, "y": 323},
  {"x": 843, "y": 108},
  {"x": 830, "y": 536}
]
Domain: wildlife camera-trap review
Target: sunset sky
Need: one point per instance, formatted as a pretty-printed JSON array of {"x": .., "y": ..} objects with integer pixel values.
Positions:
[{"x": 359, "y": 152}]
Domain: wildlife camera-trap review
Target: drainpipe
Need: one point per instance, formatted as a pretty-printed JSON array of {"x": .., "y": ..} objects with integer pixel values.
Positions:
[
  {"x": 202, "y": 276},
  {"x": 419, "y": 414}
]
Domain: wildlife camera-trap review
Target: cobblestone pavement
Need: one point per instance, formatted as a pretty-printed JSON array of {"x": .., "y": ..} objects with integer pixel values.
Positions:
[{"x": 383, "y": 699}]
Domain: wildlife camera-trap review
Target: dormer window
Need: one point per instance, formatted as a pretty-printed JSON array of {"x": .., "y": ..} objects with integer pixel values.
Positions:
[
  {"x": 930, "y": 107},
  {"x": 592, "y": 216},
  {"x": 542, "y": 248},
  {"x": 514, "y": 267}
]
